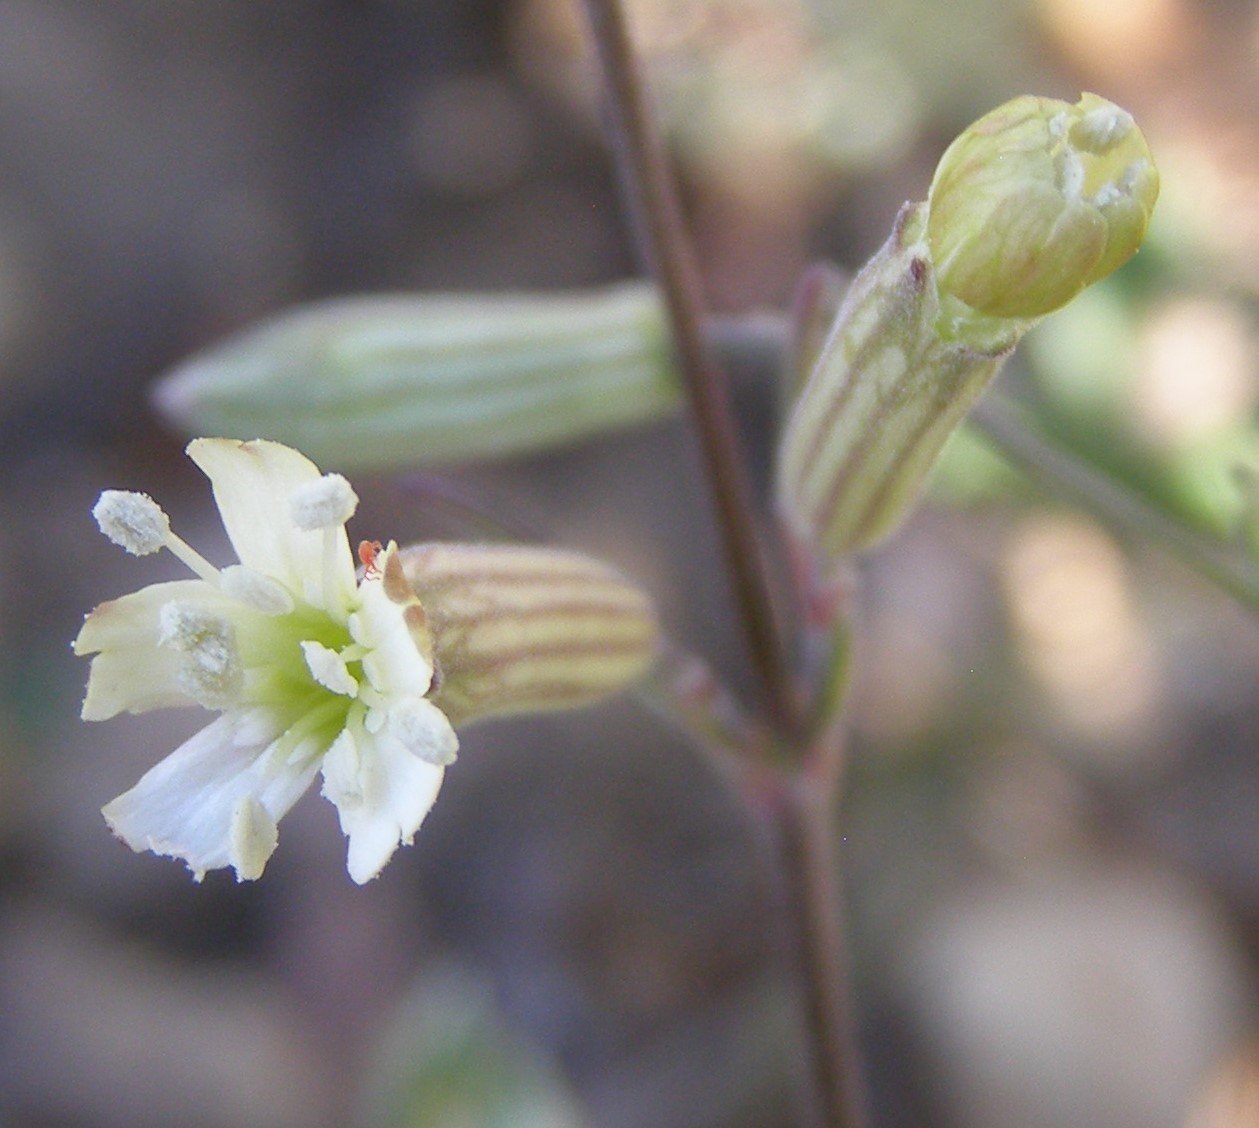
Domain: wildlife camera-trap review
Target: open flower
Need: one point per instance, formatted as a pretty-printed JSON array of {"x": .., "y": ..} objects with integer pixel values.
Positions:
[{"x": 311, "y": 669}]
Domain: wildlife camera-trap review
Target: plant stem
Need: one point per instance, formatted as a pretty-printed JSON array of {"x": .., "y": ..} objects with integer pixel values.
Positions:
[
  {"x": 656, "y": 219},
  {"x": 763, "y": 340},
  {"x": 803, "y": 820},
  {"x": 802, "y": 809},
  {"x": 1116, "y": 507}
]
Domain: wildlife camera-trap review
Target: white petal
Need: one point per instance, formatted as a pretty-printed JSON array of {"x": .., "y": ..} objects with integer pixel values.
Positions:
[
  {"x": 131, "y": 673},
  {"x": 189, "y": 805},
  {"x": 258, "y": 591},
  {"x": 253, "y": 483},
  {"x": 133, "y": 681},
  {"x": 382, "y": 793},
  {"x": 132, "y": 620},
  {"x": 394, "y": 664}
]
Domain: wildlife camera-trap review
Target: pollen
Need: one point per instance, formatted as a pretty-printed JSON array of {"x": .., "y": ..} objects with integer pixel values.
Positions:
[
  {"x": 132, "y": 520},
  {"x": 325, "y": 503},
  {"x": 210, "y": 670}
]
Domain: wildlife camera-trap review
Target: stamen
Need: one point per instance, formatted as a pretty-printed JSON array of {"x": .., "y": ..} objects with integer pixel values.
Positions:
[
  {"x": 133, "y": 520},
  {"x": 323, "y": 504},
  {"x": 332, "y": 550},
  {"x": 375, "y": 701},
  {"x": 252, "y": 838},
  {"x": 327, "y": 503},
  {"x": 1108, "y": 194},
  {"x": 184, "y": 552},
  {"x": 1137, "y": 171},
  {"x": 1070, "y": 170},
  {"x": 210, "y": 672},
  {"x": 328, "y": 668},
  {"x": 309, "y": 736},
  {"x": 415, "y": 723}
]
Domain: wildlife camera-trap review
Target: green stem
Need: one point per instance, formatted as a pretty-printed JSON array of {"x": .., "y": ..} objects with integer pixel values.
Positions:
[
  {"x": 764, "y": 339},
  {"x": 656, "y": 218},
  {"x": 1116, "y": 507}
]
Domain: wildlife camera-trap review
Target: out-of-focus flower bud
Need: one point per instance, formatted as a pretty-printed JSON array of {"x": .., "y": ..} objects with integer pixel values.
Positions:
[
  {"x": 1035, "y": 201},
  {"x": 1031, "y": 204},
  {"x": 401, "y": 381},
  {"x": 519, "y": 629}
]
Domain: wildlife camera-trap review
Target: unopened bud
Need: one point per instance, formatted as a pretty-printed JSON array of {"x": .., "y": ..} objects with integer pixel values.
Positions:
[
  {"x": 405, "y": 381},
  {"x": 1031, "y": 204},
  {"x": 518, "y": 629}
]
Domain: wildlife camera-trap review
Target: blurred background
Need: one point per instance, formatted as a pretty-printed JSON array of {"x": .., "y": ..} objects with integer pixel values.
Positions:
[{"x": 1050, "y": 838}]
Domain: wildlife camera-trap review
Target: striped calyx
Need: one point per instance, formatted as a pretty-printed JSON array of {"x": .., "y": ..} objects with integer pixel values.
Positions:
[
  {"x": 518, "y": 629},
  {"x": 407, "y": 380},
  {"x": 884, "y": 395}
]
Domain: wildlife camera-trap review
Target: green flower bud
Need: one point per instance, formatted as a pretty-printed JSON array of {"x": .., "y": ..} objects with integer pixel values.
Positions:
[
  {"x": 519, "y": 629},
  {"x": 1032, "y": 203},
  {"x": 1035, "y": 201},
  {"x": 417, "y": 380}
]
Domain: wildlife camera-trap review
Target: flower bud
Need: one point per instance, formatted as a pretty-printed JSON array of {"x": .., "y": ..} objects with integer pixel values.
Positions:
[
  {"x": 1031, "y": 204},
  {"x": 518, "y": 629},
  {"x": 1035, "y": 201},
  {"x": 404, "y": 381}
]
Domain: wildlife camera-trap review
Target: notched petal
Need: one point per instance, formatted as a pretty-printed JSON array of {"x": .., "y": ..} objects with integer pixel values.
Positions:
[
  {"x": 382, "y": 793},
  {"x": 131, "y": 673},
  {"x": 189, "y": 805}
]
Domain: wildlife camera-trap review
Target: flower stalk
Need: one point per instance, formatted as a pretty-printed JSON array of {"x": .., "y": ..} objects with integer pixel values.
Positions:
[
  {"x": 655, "y": 215},
  {"x": 809, "y": 875},
  {"x": 803, "y": 818}
]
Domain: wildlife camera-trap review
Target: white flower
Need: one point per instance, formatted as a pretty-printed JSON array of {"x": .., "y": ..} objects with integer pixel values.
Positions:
[{"x": 311, "y": 669}]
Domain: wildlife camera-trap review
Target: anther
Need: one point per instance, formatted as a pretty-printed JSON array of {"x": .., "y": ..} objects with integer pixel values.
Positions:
[
  {"x": 133, "y": 520},
  {"x": 322, "y": 504}
]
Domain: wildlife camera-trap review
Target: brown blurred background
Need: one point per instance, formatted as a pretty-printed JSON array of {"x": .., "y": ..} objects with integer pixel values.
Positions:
[{"x": 1052, "y": 835}]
